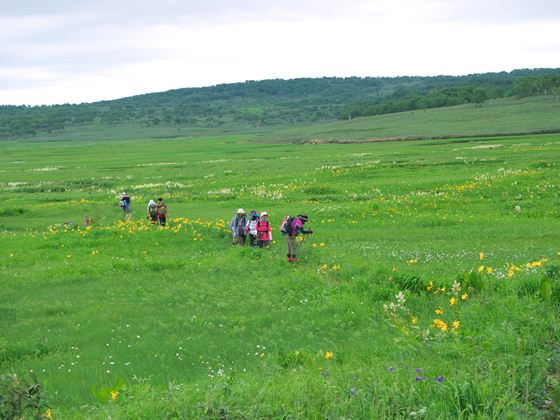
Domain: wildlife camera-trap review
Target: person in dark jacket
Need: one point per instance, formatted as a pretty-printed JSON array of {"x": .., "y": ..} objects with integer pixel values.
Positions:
[
  {"x": 161, "y": 212},
  {"x": 125, "y": 204}
]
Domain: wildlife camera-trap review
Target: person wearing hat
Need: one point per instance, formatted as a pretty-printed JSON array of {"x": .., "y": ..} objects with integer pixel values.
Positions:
[
  {"x": 238, "y": 227},
  {"x": 152, "y": 212},
  {"x": 125, "y": 204},
  {"x": 295, "y": 229},
  {"x": 252, "y": 228},
  {"x": 264, "y": 231}
]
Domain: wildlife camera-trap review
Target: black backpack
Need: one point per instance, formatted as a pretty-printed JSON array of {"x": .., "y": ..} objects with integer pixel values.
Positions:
[{"x": 286, "y": 225}]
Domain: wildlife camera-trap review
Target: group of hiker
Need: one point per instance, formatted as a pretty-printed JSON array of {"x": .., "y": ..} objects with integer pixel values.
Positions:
[
  {"x": 255, "y": 229},
  {"x": 157, "y": 212},
  {"x": 258, "y": 231}
]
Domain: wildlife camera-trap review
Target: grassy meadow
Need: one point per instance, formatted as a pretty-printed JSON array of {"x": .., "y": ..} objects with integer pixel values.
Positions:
[
  {"x": 533, "y": 115},
  {"x": 429, "y": 289}
]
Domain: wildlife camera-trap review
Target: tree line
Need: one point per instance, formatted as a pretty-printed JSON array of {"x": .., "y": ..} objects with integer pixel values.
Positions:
[
  {"x": 476, "y": 91},
  {"x": 254, "y": 104}
]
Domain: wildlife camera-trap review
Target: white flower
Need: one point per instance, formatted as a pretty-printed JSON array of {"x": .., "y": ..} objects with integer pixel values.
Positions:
[{"x": 456, "y": 288}]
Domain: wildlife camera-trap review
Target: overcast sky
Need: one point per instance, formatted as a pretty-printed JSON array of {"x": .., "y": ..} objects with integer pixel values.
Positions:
[{"x": 73, "y": 51}]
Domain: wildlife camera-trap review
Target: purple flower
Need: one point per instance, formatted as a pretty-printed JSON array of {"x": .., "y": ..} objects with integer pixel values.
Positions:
[
  {"x": 420, "y": 378},
  {"x": 390, "y": 369},
  {"x": 439, "y": 378},
  {"x": 418, "y": 370},
  {"x": 353, "y": 390},
  {"x": 324, "y": 373}
]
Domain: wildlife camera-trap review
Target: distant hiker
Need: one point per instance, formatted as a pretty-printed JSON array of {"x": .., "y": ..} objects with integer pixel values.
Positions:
[
  {"x": 264, "y": 231},
  {"x": 161, "y": 210},
  {"x": 238, "y": 227},
  {"x": 252, "y": 228},
  {"x": 152, "y": 212},
  {"x": 125, "y": 204},
  {"x": 291, "y": 227}
]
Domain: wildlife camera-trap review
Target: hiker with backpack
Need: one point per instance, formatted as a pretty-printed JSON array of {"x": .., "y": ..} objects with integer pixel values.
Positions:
[
  {"x": 238, "y": 227},
  {"x": 264, "y": 231},
  {"x": 291, "y": 227},
  {"x": 161, "y": 210},
  {"x": 152, "y": 212},
  {"x": 252, "y": 228},
  {"x": 125, "y": 204}
]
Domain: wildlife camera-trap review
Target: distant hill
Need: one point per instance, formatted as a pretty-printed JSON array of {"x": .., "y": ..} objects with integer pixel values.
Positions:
[
  {"x": 500, "y": 117},
  {"x": 257, "y": 105}
]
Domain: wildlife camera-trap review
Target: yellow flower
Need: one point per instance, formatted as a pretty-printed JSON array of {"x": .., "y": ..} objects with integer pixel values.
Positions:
[
  {"x": 48, "y": 413},
  {"x": 414, "y": 320},
  {"x": 512, "y": 268},
  {"x": 328, "y": 355},
  {"x": 481, "y": 269},
  {"x": 114, "y": 395},
  {"x": 438, "y": 323},
  {"x": 452, "y": 301},
  {"x": 439, "y": 311},
  {"x": 536, "y": 263},
  {"x": 336, "y": 267},
  {"x": 322, "y": 244},
  {"x": 324, "y": 267},
  {"x": 412, "y": 261},
  {"x": 430, "y": 286},
  {"x": 314, "y": 245},
  {"x": 481, "y": 256},
  {"x": 464, "y": 296},
  {"x": 489, "y": 270},
  {"x": 456, "y": 324}
]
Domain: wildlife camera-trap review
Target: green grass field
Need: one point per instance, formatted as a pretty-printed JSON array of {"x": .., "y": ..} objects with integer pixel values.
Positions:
[
  {"x": 509, "y": 116},
  {"x": 429, "y": 289}
]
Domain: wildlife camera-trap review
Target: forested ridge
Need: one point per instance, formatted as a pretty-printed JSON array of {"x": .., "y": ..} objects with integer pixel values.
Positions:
[{"x": 255, "y": 104}]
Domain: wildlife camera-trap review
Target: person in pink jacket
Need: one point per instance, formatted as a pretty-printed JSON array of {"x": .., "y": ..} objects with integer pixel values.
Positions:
[
  {"x": 294, "y": 229},
  {"x": 264, "y": 231}
]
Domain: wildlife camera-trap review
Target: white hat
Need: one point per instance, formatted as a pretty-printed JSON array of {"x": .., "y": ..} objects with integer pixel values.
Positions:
[
  {"x": 240, "y": 211},
  {"x": 264, "y": 213}
]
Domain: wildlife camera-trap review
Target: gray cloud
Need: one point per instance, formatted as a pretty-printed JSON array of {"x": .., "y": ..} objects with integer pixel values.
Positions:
[
  {"x": 73, "y": 35},
  {"x": 45, "y": 42},
  {"x": 500, "y": 11},
  {"x": 142, "y": 12},
  {"x": 129, "y": 12}
]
